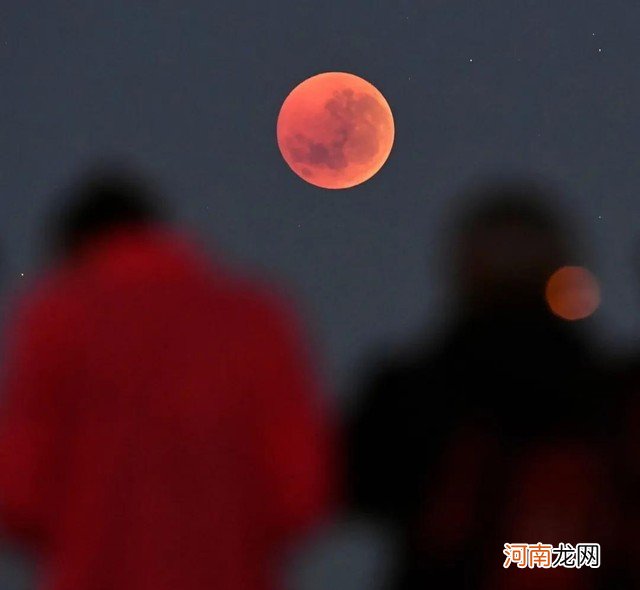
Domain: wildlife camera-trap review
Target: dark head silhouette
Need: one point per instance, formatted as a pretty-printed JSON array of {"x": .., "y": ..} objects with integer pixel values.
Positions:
[
  {"x": 507, "y": 245},
  {"x": 100, "y": 202}
]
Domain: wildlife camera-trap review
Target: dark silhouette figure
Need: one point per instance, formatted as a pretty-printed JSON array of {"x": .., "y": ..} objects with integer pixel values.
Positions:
[
  {"x": 161, "y": 427},
  {"x": 626, "y": 459},
  {"x": 491, "y": 435}
]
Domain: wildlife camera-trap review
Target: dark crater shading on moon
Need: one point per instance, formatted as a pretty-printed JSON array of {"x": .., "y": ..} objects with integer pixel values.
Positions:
[{"x": 353, "y": 119}]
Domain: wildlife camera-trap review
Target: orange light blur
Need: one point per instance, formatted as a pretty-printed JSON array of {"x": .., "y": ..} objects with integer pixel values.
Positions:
[{"x": 572, "y": 293}]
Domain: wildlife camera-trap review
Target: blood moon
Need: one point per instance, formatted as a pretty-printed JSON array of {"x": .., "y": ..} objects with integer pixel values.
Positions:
[{"x": 335, "y": 130}]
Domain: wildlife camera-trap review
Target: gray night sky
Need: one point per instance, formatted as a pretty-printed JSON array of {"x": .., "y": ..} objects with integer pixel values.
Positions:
[{"x": 190, "y": 91}]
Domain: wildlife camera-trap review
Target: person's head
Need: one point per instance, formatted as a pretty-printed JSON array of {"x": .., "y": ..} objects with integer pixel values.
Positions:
[
  {"x": 507, "y": 245},
  {"x": 104, "y": 200}
]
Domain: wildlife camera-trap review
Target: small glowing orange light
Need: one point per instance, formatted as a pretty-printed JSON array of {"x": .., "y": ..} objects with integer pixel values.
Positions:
[{"x": 572, "y": 293}]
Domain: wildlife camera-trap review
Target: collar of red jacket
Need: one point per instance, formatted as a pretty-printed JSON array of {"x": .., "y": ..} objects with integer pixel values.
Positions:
[{"x": 142, "y": 251}]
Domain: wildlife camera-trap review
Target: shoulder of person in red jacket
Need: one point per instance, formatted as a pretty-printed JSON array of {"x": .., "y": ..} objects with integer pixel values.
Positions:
[{"x": 267, "y": 326}]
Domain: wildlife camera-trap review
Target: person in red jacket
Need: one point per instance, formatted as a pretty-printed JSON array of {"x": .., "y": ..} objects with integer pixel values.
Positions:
[{"x": 161, "y": 426}]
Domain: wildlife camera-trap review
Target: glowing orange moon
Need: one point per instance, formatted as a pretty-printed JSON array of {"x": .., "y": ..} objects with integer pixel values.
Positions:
[
  {"x": 335, "y": 130},
  {"x": 572, "y": 293}
]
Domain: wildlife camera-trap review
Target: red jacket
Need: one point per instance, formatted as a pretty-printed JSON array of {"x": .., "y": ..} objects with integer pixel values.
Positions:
[{"x": 161, "y": 428}]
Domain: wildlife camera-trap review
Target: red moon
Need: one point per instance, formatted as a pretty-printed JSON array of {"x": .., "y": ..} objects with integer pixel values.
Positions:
[{"x": 335, "y": 130}]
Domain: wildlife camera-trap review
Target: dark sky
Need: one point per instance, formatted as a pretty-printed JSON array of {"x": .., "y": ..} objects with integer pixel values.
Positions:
[{"x": 190, "y": 91}]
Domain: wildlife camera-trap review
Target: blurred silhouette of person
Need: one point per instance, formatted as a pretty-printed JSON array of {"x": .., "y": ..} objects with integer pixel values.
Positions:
[
  {"x": 627, "y": 462},
  {"x": 626, "y": 456},
  {"x": 162, "y": 426},
  {"x": 493, "y": 434}
]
